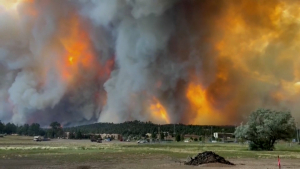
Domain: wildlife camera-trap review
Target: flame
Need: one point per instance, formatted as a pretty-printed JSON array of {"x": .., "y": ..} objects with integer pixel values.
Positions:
[
  {"x": 255, "y": 56},
  {"x": 71, "y": 60},
  {"x": 78, "y": 51},
  {"x": 9, "y": 4},
  {"x": 205, "y": 113},
  {"x": 158, "y": 112},
  {"x": 242, "y": 41}
]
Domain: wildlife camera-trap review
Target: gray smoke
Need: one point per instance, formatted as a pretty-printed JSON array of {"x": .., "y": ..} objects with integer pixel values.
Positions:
[
  {"x": 142, "y": 30},
  {"x": 138, "y": 31},
  {"x": 32, "y": 57},
  {"x": 83, "y": 61}
]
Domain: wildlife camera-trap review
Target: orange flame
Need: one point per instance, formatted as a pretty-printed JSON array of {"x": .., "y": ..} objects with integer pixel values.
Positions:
[
  {"x": 205, "y": 113},
  {"x": 255, "y": 56},
  {"x": 78, "y": 51},
  {"x": 71, "y": 60},
  {"x": 158, "y": 111}
]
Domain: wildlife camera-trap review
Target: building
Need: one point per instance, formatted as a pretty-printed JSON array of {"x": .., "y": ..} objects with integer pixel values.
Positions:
[
  {"x": 149, "y": 135},
  {"x": 225, "y": 136},
  {"x": 114, "y": 136},
  {"x": 190, "y": 137},
  {"x": 169, "y": 137}
]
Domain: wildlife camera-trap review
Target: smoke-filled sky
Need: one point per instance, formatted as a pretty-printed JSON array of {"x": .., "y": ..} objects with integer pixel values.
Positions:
[{"x": 165, "y": 61}]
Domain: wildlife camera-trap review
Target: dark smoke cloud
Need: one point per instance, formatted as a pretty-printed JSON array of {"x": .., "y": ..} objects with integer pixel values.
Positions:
[{"x": 239, "y": 55}]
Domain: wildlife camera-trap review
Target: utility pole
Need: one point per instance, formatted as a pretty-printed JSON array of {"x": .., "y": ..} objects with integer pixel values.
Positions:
[
  {"x": 235, "y": 136},
  {"x": 174, "y": 130},
  {"x": 297, "y": 132},
  {"x": 159, "y": 133},
  {"x": 204, "y": 135},
  {"x": 211, "y": 134}
]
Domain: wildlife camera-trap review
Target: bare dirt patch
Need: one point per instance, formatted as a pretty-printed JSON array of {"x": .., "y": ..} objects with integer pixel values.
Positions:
[{"x": 145, "y": 163}]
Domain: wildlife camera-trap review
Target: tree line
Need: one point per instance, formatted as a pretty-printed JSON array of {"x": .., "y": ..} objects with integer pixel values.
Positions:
[
  {"x": 33, "y": 129},
  {"x": 135, "y": 128},
  {"x": 26, "y": 129},
  {"x": 138, "y": 128},
  {"x": 263, "y": 129}
]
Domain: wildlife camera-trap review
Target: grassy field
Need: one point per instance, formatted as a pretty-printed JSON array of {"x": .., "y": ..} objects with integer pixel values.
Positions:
[{"x": 84, "y": 150}]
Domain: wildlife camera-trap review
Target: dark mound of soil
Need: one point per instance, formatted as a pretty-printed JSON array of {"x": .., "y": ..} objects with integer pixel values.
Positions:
[{"x": 207, "y": 157}]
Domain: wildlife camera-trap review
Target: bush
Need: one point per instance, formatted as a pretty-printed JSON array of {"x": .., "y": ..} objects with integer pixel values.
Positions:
[{"x": 265, "y": 127}]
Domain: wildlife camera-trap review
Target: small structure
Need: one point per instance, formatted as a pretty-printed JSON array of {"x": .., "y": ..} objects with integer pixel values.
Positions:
[
  {"x": 170, "y": 138},
  {"x": 112, "y": 136},
  {"x": 67, "y": 135},
  {"x": 225, "y": 136},
  {"x": 191, "y": 136},
  {"x": 148, "y": 135}
]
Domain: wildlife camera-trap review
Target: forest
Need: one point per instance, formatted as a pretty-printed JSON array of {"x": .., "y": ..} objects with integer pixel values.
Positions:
[
  {"x": 135, "y": 128},
  {"x": 142, "y": 128}
]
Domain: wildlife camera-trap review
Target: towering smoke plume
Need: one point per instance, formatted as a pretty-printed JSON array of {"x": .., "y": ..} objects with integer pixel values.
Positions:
[{"x": 166, "y": 61}]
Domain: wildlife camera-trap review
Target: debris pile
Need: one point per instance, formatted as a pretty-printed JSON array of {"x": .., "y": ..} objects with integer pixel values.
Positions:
[{"x": 207, "y": 157}]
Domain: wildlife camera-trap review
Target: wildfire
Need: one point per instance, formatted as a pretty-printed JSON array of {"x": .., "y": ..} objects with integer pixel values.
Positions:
[
  {"x": 256, "y": 61},
  {"x": 78, "y": 50},
  {"x": 71, "y": 60},
  {"x": 205, "y": 113},
  {"x": 158, "y": 112},
  {"x": 243, "y": 42},
  {"x": 11, "y": 6},
  {"x": 8, "y": 4}
]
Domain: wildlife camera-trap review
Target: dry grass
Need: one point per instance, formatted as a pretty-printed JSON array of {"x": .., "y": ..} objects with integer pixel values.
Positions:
[{"x": 14, "y": 147}]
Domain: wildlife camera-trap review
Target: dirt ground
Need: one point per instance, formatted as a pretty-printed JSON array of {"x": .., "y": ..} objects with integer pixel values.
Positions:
[
  {"x": 149, "y": 163},
  {"x": 23, "y": 153}
]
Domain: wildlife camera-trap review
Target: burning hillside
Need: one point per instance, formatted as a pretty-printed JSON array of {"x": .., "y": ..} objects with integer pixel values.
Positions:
[{"x": 168, "y": 61}]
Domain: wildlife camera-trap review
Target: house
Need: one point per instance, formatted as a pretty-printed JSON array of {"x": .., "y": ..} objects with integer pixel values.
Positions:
[
  {"x": 149, "y": 135},
  {"x": 67, "y": 135},
  {"x": 112, "y": 136},
  {"x": 169, "y": 137},
  {"x": 191, "y": 136},
  {"x": 225, "y": 136}
]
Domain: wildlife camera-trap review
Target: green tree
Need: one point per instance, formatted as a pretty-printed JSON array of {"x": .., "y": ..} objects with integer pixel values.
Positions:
[
  {"x": 2, "y": 126},
  {"x": 154, "y": 135},
  {"x": 178, "y": 138},
  {"x": 55, "y": 125},
  {"x": 42, "y": 132},
  {"x": 265, "y": 127},
  {"x": 10, "y": 128},
  {"x": 78, "y": 135},
  {"x": 71, "y": 135},
  {"x": 56, "y": 130},
  {"x": 25, "y": 129},
  {"x": 162, "y": 136},
  {"x": 34, "y": 129}
]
